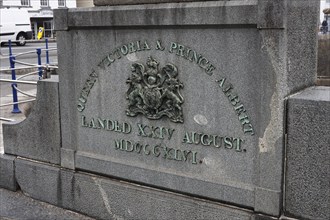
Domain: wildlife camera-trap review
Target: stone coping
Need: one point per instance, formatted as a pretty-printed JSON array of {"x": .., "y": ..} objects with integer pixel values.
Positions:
[
  {"x": 137, "y": 2},
  {"x": 190, "y": 14}
]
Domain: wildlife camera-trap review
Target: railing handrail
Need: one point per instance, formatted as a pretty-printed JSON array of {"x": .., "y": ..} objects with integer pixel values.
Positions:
[
  {"x": 45, "y": 68},
  {"x": 19, "y": 81},
  {"x": 28, "y": 52}
]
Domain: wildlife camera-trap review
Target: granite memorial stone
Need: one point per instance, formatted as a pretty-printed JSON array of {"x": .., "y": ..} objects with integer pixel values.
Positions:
[
  {"x": 188, "y": 97},
  {"x": 173, "y": 110}
]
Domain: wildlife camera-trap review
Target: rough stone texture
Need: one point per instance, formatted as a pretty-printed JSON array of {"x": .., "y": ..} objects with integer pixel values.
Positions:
[
  {"x": 104, "y": 198},
  {"x": 16, "y": 205},
  {"x": 218, "y": 13},
  {"x": 137, "y": 2},
  {"x": 206, "y": 189},
  {"x": 38, "y": 136},
  {"x": 292, "y": 52},
  {"x": 270, "y": 14},
  {"x": 257, "y": 45},
  {"x": 67, "y": 158},
  {"x": 267, "y": 201},
  {"x": 61, "y": 22},
  {"x": 301, "y": 43},
  {"x": 308, "y": 154},
  {"x": 7, "y": 172},
  {"x": 38, "y": 180}
]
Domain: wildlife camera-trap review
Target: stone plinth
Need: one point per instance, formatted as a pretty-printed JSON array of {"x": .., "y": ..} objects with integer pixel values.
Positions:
[
  {"x": 186, "y": 97},
  {"x": 308, "y": 154},
  {"x": 171, "y": 110}
]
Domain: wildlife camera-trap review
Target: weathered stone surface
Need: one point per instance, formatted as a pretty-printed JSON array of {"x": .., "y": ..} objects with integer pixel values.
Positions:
[
  {"x": 267, "y": 201},
  {"x": 104, "y": 198},
  {"x": 271, "y": 14},
  {"x": 39, "y": 181},
  {"x": 38, "y": 136},
  {"x": 136, "y": 2},
  {"x": 248, "y": 46},
  {"x": 308, "y": 154},
  {"x": 62, "y": 22},
  {"x": 195, "y": 14},
  {"x": 302, "y": 39},
  {"x": 7, "y": 172},
  {"x": 16, "y": 205},
  {"x": 67, "y": 158}
]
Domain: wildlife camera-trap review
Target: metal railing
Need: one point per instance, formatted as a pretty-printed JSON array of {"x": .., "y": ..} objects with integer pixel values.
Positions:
[{"x": 43, "y": 71}]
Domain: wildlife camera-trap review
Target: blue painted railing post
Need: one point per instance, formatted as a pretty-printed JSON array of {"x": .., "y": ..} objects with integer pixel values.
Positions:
[
  {"x": 39, "y": 63},
  {"x": 47, "y": 54},
  {"x": 13, "y": 77}
]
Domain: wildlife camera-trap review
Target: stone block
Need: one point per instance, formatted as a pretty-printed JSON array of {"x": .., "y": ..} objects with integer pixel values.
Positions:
[
  {"x": 67, "y": 158},
  {"x": 62, "y": 22},
  {"x": 7, "y": 172},
  {"x": 308, "y": 154},
  {"x": 38, "y": 136},
  {"x": 268, "y": 201},
  {"x": 228, "y": 13},
  {"x": 271, "y": 14},
  {"x": 15, "y": 205},
  {"x": 106, "y": 198},
  {"x": 302, "y": 39},
  {"x": 137, "y": 2},
  {"x": 38, "y": 180}
]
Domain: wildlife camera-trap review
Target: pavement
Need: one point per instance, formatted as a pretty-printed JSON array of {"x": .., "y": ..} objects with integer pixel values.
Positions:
[{"x": 16, "y": 205}]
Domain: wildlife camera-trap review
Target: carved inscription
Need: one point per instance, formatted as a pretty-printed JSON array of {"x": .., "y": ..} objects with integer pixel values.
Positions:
[
  {"x": 160, "y": 150},
  {"x": 213, "y": 140},
  {"x": 155, "y": 132},
  {"x": 192, "y": 56},
  {"x": 123, "y": 50},
  {"x": 235, "y": 101},
  {"x": 155, "y": 93},
  {"x": 86, "y": 90}
]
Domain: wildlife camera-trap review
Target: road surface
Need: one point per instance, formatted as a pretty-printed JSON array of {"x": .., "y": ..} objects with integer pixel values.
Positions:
[
  {"x": 6, "y": 89},
  {"x": 28, "y": 58}
]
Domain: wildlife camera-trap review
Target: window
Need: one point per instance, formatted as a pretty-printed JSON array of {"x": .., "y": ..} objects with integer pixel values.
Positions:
[
  {"x": 44, "y": 3},
  {"x": 61, "y": 3},
  {"x": 25, "y": 2}
]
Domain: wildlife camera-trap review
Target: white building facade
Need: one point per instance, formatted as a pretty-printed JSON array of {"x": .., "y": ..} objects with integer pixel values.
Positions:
[
  {"x": 323, "y": 5},
  {"x": 40, "y": 12}
]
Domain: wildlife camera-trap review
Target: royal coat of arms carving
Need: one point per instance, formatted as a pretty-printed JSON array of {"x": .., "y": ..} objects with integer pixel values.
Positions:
[{"x": 153, "y": 92}]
